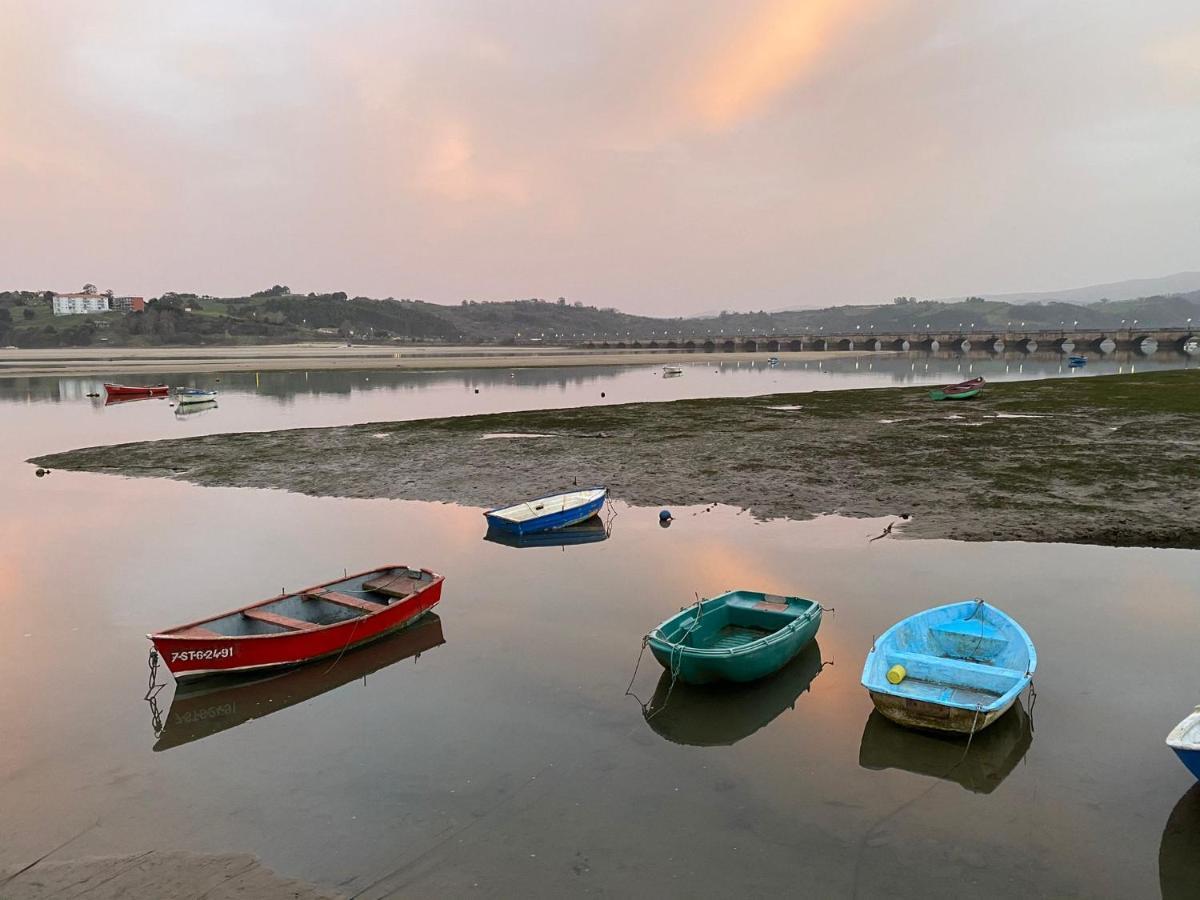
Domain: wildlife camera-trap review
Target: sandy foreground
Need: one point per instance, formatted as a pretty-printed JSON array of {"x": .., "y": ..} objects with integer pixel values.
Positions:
[
  {"x": 157, "y": 875},
  {"x": 1102, "y": 460},
  {"x": 98, "y": 360}
]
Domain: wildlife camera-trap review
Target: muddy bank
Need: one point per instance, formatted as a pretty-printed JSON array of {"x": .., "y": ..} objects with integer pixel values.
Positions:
[
  {"x": 159, "y": 874},
  {"x": 1103, "y": 460}
]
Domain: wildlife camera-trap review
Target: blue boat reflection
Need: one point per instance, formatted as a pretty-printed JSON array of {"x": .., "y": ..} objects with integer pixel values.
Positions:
[
  {"x": 589, "y": 532},
  {"x": 1179, "y": 852},
  {"x": 980, "y": 767}
]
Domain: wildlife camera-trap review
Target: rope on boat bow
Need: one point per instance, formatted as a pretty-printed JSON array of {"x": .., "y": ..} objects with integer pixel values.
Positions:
[{"x": 676, "y": 665}]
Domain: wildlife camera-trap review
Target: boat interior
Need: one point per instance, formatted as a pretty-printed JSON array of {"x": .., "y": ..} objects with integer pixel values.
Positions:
[
  {"x": 329, "y": 604},
  {"x": 1186, "y": 735},
  {"x": 544, "y": 506},
  {"x": 967, "y": 654},
  {"x": 734, "y": 620}
]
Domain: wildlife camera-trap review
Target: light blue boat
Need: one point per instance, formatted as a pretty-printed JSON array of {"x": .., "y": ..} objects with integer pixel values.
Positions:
[
  {"x": 1184, "y": 739},
  {"x": 547, "y": 513},
  {"x": 951, "y": 668}
]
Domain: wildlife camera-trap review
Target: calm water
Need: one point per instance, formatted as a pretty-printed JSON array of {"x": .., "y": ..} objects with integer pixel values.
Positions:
[{"x": 494, "y": 752}]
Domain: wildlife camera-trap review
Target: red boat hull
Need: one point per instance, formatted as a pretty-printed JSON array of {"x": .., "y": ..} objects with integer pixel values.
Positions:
[
  {"x": 191, "y": 656},
  {"x": 124, "y": 390}
]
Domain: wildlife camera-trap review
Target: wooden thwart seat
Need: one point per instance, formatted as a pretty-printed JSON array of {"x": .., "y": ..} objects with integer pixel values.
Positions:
[
  {"x": 274, "y": 619},
  {"x": 344, "y": 600},
  {"x": 395, "y": 584}
]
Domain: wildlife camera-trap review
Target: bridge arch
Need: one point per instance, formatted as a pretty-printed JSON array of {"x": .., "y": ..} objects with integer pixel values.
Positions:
[
  {"x": 709, "y": 346},
  {"x": 728, "y": 345},
  {"x": 750, "y": 346}
]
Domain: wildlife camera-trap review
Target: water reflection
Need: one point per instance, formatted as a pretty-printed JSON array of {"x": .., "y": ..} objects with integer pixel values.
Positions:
[
  {"x": 110, "y": 400},
  {"x": 589, "y": 532},
  {"x": 1179, "y": 852},
  {"x": 720, "y": 715},
  {"x": 191, "y": 409},
  {"x": 980, "y": 767},
  {"x": 204, "y": 711}
]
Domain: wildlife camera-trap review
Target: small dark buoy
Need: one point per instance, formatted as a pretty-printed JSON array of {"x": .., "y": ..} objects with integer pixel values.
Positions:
[
  {"x": 93, "y": 394},
  {"x": 664, "y": 515},
  {"x": 602, "y": 393},
  {"x": 477, "y": 390},
  {"x": 41, "y": 473}
]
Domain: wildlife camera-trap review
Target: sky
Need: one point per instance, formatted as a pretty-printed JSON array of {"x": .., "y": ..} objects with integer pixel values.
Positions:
[{"x": 673, "y": 157}]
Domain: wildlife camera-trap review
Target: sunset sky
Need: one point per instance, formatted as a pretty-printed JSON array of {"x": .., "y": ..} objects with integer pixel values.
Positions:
[{"x": 668, "y": 157}]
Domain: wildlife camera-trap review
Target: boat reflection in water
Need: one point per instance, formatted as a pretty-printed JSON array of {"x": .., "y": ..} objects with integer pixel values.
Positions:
[
  {"x": 721, "y": 714},
  {"x": 588, "y": 532},
  {"x": 205, "y": 711},
  {"x": 1179, "y": 852},
  {"x": 118, "y": 400},
  {"x": 980, "y": 768},
  {"x": 190, "y": 409}
]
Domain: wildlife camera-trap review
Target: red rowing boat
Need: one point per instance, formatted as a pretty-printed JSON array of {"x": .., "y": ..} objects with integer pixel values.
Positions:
[
  {"x": 295, "y": 628},
  {"x": 136, "y": 390}
]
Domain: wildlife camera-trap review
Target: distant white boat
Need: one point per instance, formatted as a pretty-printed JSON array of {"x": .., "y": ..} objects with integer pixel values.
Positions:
[
  {"x": 671, "y": 370},
  {"x": 194, "y": 395}
]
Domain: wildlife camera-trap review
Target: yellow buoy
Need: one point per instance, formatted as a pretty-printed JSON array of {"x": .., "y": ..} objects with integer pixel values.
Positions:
[{"x": 896, "y": 674}]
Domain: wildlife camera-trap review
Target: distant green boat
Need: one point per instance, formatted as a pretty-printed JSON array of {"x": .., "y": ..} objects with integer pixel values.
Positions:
[
  {"x": 738, "y": 636},
  {"x": 964, "y": 390},
  {"x": 952, "y": 394}
]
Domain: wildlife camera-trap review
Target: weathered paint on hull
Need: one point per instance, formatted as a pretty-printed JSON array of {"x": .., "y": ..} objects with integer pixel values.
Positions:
[
  {"x": 189, "y": 658},
  {"x": 934, "y": 716}
]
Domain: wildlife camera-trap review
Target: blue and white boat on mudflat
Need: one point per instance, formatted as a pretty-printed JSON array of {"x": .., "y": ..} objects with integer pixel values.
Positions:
[
  {"x": 547, "y": 513},
  {"x": 1184, "y": 739},
  {"x": 951, "y": 668}
]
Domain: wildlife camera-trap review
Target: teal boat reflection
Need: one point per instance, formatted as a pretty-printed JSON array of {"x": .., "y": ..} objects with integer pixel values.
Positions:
[
  {"x": 589, "y": 532},
  {"x": 206, "y": 711},
  {"x": 1179, "y": 852},
  {"x": 980, "y": 767},
  {"x": 721, "y": 714}
]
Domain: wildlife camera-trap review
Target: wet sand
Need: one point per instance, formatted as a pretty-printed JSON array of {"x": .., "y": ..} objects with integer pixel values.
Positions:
[
  {"x": 99, "y": 360},
  {"x": 1104, "y": 460},
  {"x": 160, "y": 874}
]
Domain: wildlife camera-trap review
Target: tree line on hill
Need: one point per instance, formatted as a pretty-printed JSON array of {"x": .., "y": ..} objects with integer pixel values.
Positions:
[{"x": 280, "y": 315}]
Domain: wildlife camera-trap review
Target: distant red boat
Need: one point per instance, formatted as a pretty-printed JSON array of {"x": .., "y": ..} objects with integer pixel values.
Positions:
[
  {"x": 295, "y": 628},
  {"x": 125, "y": 390}
]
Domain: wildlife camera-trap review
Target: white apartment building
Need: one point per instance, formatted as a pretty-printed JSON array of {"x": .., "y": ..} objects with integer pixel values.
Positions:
[{"x": 79, "y": 304}]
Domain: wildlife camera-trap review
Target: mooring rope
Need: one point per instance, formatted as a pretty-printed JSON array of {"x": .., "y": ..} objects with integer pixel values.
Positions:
[{"x": 676, "y": 659}]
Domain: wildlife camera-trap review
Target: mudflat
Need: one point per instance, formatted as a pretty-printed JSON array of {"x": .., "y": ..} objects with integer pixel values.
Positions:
[{"x": 1102, "y": 460}]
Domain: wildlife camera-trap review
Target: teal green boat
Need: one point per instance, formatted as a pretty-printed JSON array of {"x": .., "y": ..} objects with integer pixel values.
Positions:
[{"x": 738, "y": 636}]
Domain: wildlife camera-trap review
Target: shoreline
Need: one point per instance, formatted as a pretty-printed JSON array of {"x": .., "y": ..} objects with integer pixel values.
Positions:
[
  {"x": 1105, "y": 460},
  {"x": 286, "y": 357}
]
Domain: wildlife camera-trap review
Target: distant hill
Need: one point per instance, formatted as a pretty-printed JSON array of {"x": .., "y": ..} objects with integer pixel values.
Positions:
[
  {"x": 1179, "y": 283},
  {"x": 279, "y": 315}
]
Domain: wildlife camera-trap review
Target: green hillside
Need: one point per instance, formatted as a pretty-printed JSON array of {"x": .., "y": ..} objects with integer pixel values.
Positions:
[{"x": 280, "y": 315}]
